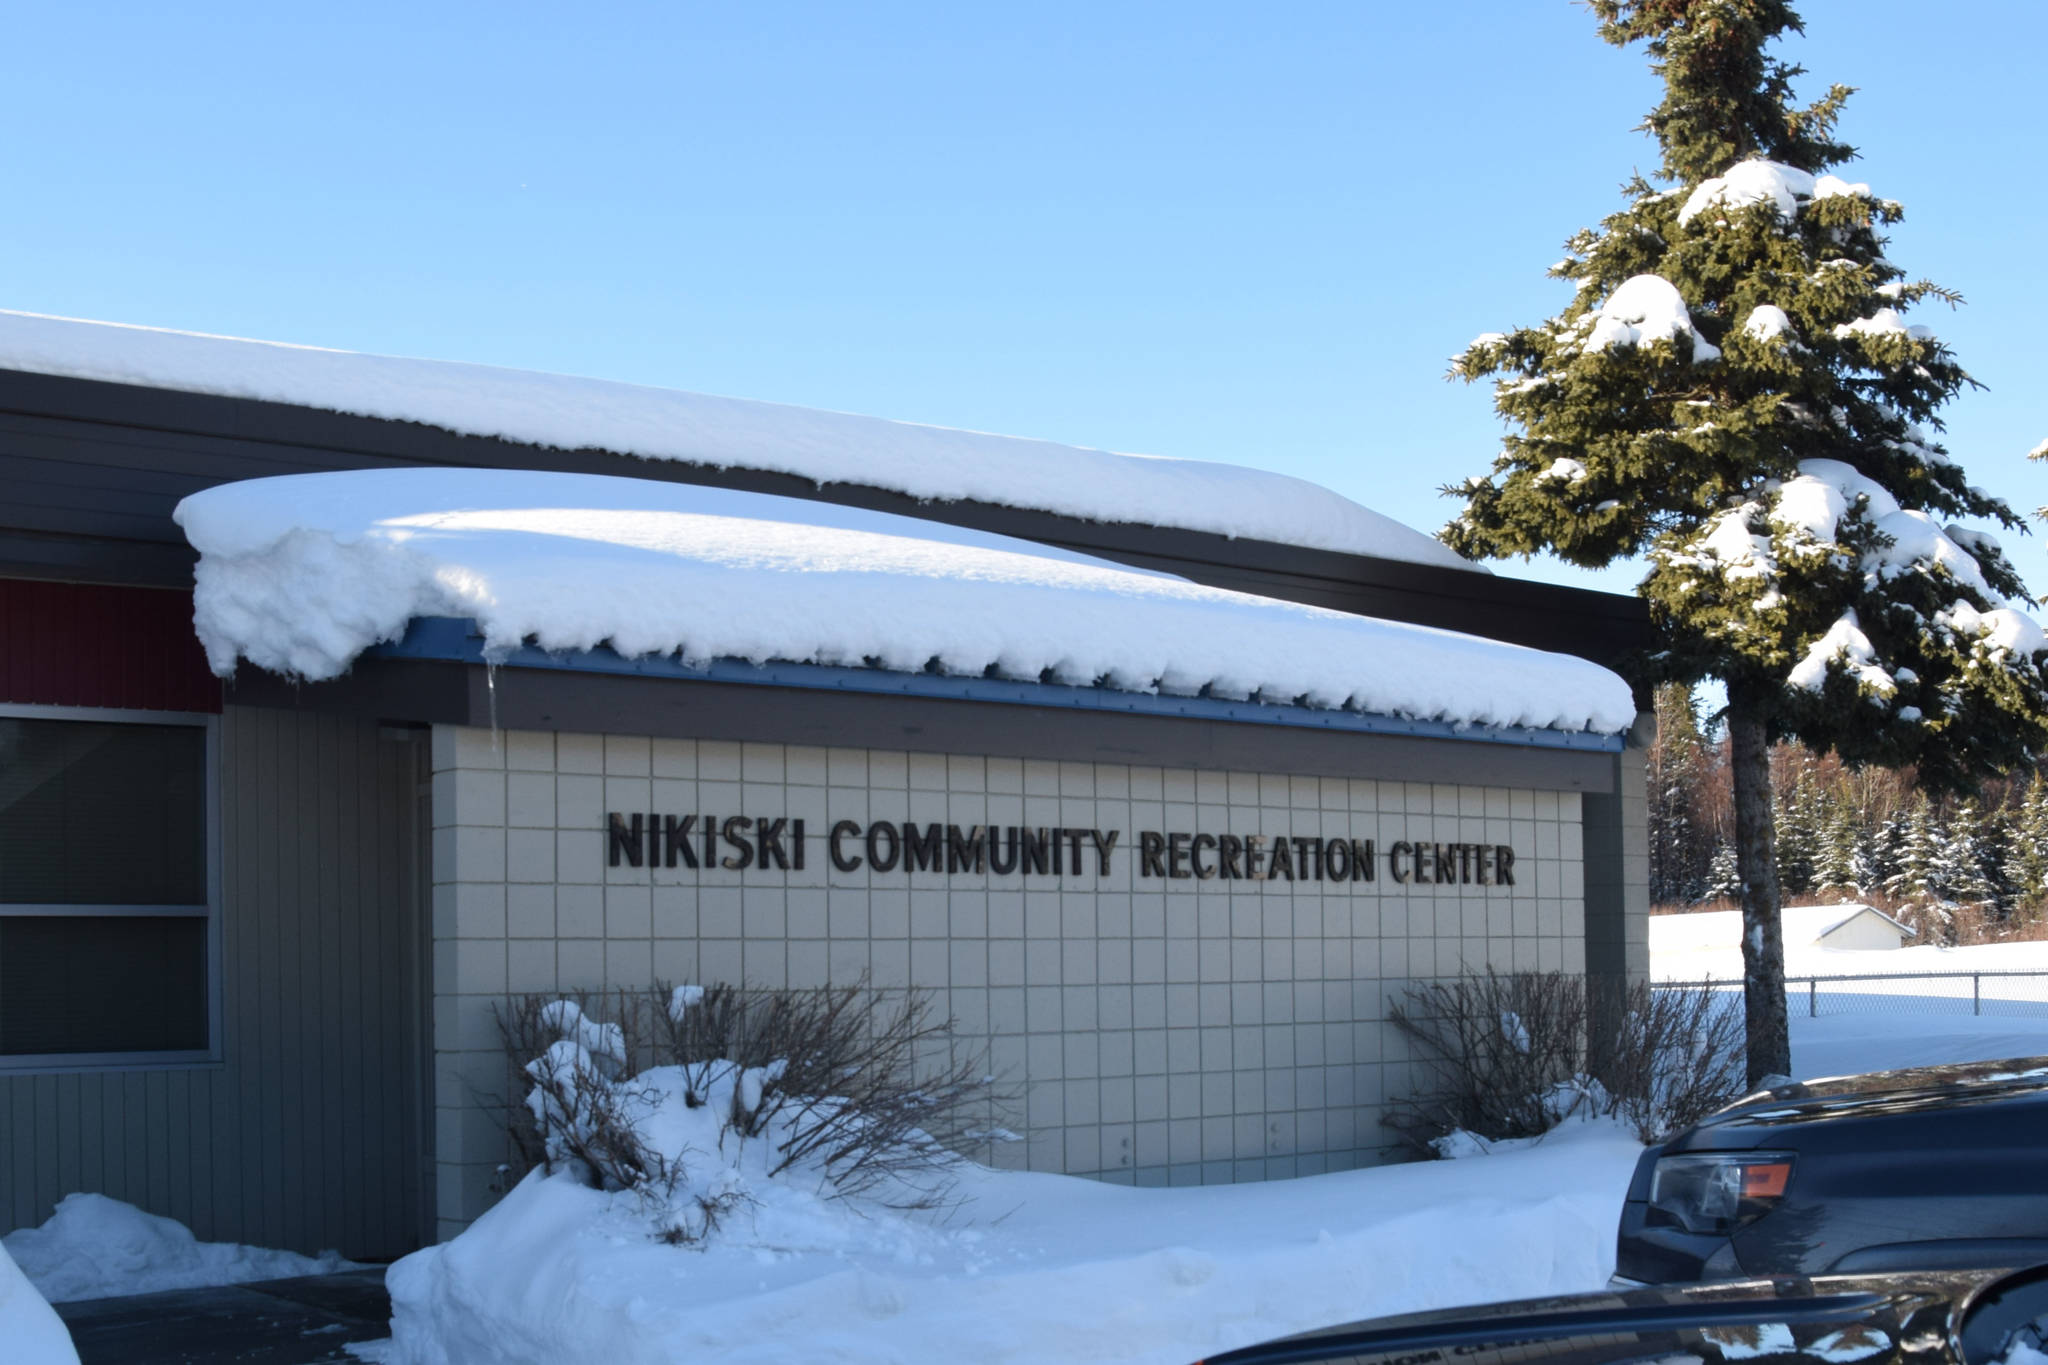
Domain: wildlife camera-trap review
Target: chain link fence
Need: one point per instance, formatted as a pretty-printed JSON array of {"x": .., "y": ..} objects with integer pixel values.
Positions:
[{"x": 2016, "y": 994}]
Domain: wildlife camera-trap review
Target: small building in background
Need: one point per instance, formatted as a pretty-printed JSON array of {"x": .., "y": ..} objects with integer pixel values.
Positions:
[
  {"x": 1859, "y": 927},
  {"x": 1706, "y": 945}
]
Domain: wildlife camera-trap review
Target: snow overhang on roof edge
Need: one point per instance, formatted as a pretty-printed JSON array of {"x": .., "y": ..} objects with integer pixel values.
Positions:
[{"x": 450, "y": 639}]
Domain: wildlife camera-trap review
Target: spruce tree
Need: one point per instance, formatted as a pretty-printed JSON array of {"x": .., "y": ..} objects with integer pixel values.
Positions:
[
  {"x": 1724, "y": 880},
  {"x": 1994, "y": 853},
  {"x": 1916, "y": 880},
  {"x": 1735, "y": 393},
  {"x": 1960, "y": 860},
  {"x": 1678, "y": 763},
  {"x": 1879, "y": 851},
  {"x": 1834, "y": 868},
  {"x": 2026, "y": 864},
  {"x": 1800, "y": 822}
]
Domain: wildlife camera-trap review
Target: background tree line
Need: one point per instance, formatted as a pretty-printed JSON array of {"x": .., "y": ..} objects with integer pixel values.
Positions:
[{"x": 1960, "y": 869}]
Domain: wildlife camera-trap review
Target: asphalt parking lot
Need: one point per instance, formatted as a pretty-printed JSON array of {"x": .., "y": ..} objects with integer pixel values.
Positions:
[{"x": 273, "y": 1322}]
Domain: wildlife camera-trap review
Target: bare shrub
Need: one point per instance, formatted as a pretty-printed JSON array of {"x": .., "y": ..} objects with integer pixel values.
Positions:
[
  {"x": 1667, "y": 1058},
  {"x": 868, "y": 1088},
  {"x": 586, "y": 1124},
  {"x": 527, "y": 1031},
  {"x": 868, "y": 1084},
  {"x": 1697, "y": 907},
  {"x": 1497, "y": 1048},
  {"x": 1513, "y": 1055}
]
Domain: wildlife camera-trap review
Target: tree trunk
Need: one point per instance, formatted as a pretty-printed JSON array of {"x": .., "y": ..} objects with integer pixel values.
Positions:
[{"x": 1756, "y": 861}]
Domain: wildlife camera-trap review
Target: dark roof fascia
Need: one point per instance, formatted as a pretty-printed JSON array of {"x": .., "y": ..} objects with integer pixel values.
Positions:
[
  {"x": 421, "y": 691},
  {"x": 1606, "y": 627},
  {"x": 81, "y": 559},
  {"x": 449, "y": 639}
]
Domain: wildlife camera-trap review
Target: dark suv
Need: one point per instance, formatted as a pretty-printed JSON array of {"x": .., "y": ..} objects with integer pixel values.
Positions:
[{"x": 1942, "y": 1167}]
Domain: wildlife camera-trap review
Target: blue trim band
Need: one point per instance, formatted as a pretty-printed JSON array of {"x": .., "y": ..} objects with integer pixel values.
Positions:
[{"x": 457, "y": 640}]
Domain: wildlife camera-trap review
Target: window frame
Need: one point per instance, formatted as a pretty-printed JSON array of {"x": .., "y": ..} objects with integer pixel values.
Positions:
[{"x": 57, "y": 1063}]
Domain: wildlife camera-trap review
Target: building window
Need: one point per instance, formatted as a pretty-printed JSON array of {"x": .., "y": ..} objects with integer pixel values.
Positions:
[{"x": 107, "y": 927}]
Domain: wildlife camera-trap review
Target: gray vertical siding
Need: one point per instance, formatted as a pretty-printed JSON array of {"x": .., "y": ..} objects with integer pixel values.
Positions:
[
  {"x": 1617, "y": 835},
  {"x": 308, "y": 1134}
]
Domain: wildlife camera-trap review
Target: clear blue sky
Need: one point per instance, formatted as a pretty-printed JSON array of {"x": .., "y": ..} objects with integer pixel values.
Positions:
[{"x": 1246, "y": 233}]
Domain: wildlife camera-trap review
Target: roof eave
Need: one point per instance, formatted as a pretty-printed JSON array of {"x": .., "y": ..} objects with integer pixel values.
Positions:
[
  {"x": 100, "y": 449},
  {"x": 445, "y": 639}
]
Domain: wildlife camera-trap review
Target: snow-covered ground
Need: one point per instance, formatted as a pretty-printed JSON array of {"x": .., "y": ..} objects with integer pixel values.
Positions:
[
  {"x": 32, "y": 1330},
  {"x": 1038, "y": 1267},
  {"x": 1927, "y": 1016},
  {"x": 1031, "y": 1268},
  {"x": 1027, "y": 1267},
  {"x": 1846, "y": 1044},
  {"x": 1706, "y": 946}
]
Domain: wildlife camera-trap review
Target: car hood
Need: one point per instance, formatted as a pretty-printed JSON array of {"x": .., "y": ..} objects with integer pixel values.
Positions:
[
  {"x": 1827, "y": 1321},
  {"x": 1915, "y": 1090}
]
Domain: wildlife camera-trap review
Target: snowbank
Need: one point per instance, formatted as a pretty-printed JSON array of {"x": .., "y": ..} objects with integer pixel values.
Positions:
[
  {"x": 34, "y": 1334},
  {"x": 929, "y": 463},
  {"x": 1032, "y": 1267},
  {"x": 94, "y": 1247},
  {"x": 300, "y": 574}
]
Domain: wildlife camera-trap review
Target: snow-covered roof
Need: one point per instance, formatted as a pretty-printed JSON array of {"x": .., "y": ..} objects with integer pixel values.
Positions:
[
  {"x": 934, "y": 464},
  {"x": 1707, "y": 931},
  {"x": 300, "y": 574},
  {"x": 1841, "y": 915}
]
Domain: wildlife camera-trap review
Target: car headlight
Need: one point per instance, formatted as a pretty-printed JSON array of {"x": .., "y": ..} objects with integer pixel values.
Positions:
[{"x": 1718, "y": 1192}]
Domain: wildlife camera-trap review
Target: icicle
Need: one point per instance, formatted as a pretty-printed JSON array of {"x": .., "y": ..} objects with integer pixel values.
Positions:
[{"x": 491, "y": 688}]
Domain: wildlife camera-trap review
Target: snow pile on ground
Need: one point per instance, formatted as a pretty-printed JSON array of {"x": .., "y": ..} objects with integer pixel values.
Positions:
[
  {"x": 1029, "y": 1267},
  {"x": 94, "y": 1247},
  {"x": 299, "y": 574},
  {"x": 933, "y": 464},
  {"x": 34, "y": 1334}
]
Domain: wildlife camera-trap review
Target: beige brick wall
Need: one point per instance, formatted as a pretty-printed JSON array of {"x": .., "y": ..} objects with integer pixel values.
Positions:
[{"x": 1157, "y": 1031}]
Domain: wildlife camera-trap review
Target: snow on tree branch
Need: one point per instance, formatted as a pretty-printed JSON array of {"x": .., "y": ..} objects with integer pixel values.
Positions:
[{"x": 1765, "y": 182}]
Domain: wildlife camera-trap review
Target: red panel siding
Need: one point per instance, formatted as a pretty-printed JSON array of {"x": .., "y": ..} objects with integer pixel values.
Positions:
[{"x": 82, "y": 644}]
